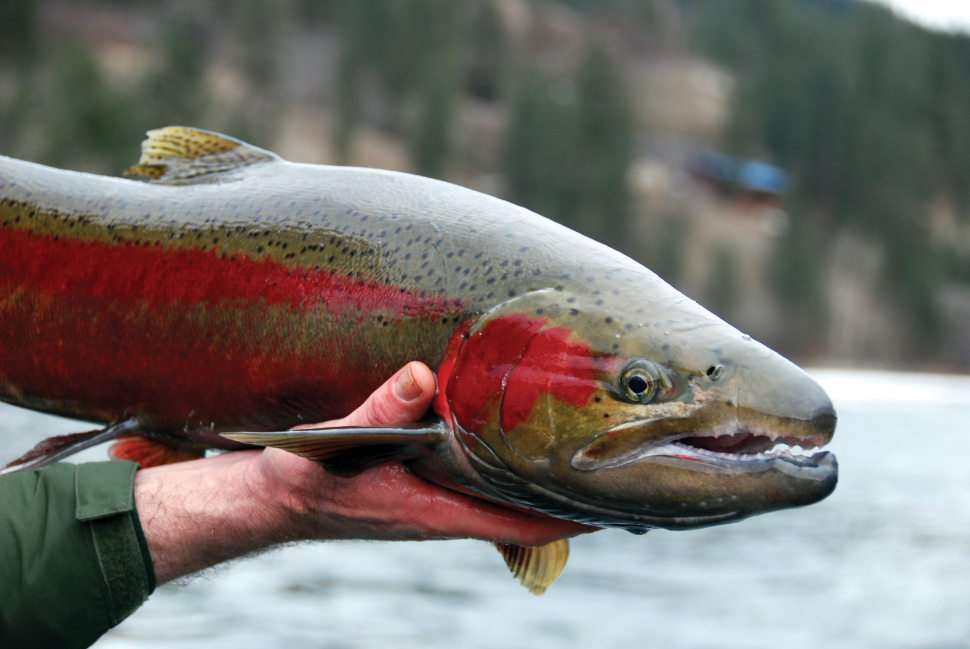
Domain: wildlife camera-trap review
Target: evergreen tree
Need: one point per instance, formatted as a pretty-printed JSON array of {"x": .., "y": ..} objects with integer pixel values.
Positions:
[
  {"x": 568, "y": 149},
  {"x": 870, "y": 113},
  {"x": 486, "y": 51},
  {"x": 411, "y": 47},
  {"x": 605, "y": 138}
]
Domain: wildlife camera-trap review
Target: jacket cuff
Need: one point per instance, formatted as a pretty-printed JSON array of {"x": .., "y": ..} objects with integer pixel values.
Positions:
[
  {"x": 73, "y": 557},
  {"x": 105, "y": 499}
]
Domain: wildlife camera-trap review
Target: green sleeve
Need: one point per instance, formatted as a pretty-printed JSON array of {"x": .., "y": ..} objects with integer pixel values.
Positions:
[{"x": 73, "y": 557}]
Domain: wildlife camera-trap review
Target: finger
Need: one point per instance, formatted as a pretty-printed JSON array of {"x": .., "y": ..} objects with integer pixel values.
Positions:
[
  {"x": 402, "y": 399},
  {"x": 418, "y": 509}
]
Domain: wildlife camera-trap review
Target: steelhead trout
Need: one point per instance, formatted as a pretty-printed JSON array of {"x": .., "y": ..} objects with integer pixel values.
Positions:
[{"x": 233, "y": 295}]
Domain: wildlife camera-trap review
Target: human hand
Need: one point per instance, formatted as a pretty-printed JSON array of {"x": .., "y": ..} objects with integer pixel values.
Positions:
[
  {"x": 388, "y": 502},
  {"x": 198, "y": 514}
]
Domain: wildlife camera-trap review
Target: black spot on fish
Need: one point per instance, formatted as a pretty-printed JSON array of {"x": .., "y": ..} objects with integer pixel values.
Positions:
[
  {"x": 665, "y": 347},
  {"x": 608, "y": 320}
]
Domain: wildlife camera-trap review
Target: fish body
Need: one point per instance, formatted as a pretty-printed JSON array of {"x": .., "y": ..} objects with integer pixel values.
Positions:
[{"x": 238, "y": 294}]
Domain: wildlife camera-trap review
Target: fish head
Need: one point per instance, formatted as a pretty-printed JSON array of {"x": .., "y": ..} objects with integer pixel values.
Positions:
[{"x": 635, "y": 414}]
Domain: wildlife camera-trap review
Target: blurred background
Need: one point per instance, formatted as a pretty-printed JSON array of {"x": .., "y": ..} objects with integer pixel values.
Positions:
[{"x": 800, "y": 167}]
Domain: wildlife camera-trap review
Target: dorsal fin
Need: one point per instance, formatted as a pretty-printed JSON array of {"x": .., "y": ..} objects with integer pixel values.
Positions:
[
  {"x": 349, "y": 451},
  {"x": 176, "y": 155},
  {"x": 536, "y": 568}
]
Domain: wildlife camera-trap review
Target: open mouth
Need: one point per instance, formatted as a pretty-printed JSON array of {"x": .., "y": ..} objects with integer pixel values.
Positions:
[
  {"x": 744, "y": 445},
  {"x": 746, "y": 451},
  {"x": 737, "y": 449}
]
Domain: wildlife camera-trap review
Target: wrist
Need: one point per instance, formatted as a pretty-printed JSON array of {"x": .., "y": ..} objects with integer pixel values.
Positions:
[
  {"x": 289, "y": 492},
  {"x": 201, "y": 513}
]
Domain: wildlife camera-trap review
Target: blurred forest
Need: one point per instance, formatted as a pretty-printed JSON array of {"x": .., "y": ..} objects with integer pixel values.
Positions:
[{"x": 800, "y": 167}]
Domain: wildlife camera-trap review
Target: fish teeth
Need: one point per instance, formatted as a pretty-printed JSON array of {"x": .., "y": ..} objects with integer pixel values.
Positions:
[{"x": 779, "y": 451}]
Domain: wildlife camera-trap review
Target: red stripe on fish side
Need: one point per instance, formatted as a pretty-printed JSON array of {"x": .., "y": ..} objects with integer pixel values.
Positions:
[
  {"x": 484, "y": 363},
  {"x": 126, "y": 271},
  {"x": 174, "y": 366},
  {"x": 551, "y": 365}
]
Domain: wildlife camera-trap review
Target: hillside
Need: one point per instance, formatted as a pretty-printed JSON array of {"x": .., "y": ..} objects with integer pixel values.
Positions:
[{"x": 801, "y": 167}]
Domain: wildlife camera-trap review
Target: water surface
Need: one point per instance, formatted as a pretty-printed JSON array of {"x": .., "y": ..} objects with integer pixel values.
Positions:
[{"x": 883, "y": 563}]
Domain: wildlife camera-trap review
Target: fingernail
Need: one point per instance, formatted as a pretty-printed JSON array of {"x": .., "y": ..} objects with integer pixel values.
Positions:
[{"x": 406, "y": 388}]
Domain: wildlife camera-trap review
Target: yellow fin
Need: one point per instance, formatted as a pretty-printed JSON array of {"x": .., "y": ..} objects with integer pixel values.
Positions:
[
  {"x": 176, "y": 155},
  {"x": 536, "y": 568}
]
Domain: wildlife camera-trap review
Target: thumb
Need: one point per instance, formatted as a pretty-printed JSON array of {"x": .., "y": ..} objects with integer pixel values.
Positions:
[{"x": 402, "y": 399}]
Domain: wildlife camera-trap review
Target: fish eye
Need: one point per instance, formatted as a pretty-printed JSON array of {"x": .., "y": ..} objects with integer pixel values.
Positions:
[
  {"x": 644, "y": 381},
  {"x": 638, "y": 384}
]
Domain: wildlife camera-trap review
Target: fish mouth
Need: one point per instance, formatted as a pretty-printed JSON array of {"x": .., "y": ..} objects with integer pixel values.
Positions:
[{"x": 731, "y": 449}]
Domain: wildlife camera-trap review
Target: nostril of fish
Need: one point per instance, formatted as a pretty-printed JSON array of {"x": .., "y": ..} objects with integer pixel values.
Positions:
[{"x": 714, "y": 372}]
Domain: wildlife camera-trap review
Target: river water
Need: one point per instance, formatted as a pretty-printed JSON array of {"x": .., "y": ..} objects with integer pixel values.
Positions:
[{"x": 884, "y": 563}]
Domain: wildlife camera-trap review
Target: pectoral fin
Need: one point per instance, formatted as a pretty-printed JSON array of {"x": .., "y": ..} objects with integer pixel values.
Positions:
[
  {"x": 55, "y": 449},
  {"x": 536, "y": 568},
  {"x": 176, "y": 155},
  {"x": 349, "y": 451}
]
